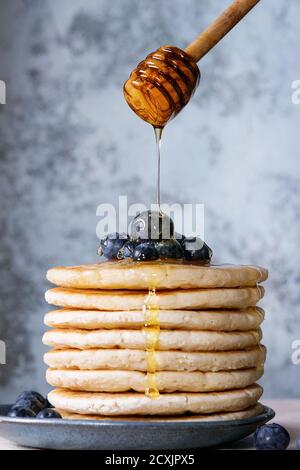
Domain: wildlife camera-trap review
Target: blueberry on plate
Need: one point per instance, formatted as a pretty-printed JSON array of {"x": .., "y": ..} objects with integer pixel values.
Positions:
[
  {"x": 31, "y": 399},
  {"x": 145, "y": 251},
  {"x": 196, "y": 249},
  {"x": 31, "y": 403},
  {"x": 169, "y": 249},
  {"x": 152, "y": 225},
  {"x": 271, "y": 437},
  {"x": 127, "y": 250},
  {"x": 48, "y": 413},
  {"x": 30, "y": 394},
  {"x": 111, "y": 245},
  {"x": 21, "y": 412}
]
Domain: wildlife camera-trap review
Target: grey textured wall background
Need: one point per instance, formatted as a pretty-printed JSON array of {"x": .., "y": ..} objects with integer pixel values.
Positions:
[{"x": 68, "y": 142}]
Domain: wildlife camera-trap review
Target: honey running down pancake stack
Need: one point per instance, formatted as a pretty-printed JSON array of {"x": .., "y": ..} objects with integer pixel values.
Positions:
[{"x": 155, "y": 338}]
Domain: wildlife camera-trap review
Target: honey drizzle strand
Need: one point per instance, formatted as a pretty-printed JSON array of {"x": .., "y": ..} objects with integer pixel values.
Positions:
[{"x": 152, "y": 332}]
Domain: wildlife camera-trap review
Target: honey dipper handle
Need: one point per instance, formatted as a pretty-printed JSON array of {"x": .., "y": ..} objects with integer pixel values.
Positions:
[{"x": 219, "y": 28}]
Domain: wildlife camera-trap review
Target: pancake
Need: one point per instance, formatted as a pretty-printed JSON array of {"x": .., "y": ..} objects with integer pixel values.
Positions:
[
  {"x": 241, "y": 297},
  {"x": 137, "y": 339},
  {"x": 219, "y": 320},
  {"x": 166, "y": 382},
  {"x": 129, "y": 359},
  {"x": 162, "y": 275},
  {"x": 227, "y": 416},
  {"x": 117, "y": 404}
]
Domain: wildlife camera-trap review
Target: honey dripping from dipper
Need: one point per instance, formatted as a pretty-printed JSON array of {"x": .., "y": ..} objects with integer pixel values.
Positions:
[
  {"x": 163, "y": 83},
  {"x": 151, "y": 331},
  {"x": 157, "y": 90}
]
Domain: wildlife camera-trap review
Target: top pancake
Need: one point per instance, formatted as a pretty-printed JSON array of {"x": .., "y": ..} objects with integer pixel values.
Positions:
[{"x": 127, "y": 274}]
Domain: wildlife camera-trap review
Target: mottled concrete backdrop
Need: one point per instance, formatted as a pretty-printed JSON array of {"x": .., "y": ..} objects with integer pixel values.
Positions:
[{"x": 68, "y": 142}]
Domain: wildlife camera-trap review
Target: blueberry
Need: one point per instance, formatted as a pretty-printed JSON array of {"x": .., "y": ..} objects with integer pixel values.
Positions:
[
  {"x": 29, "y": 394},
  {"x": 271, "y": 437},
  {"x": 48, "y": 413},
  {"x": 32, "y": 394},
  {"x": 298, "y": 443},
  {"x": 196, "y": 249},
  {"x": 112, "y": 244},
  {"x": 179, "y": 237},
  {"x": 31, "y": 399},
  {"x": 169, "y": 249},
  {"x": 127, "y": 250},
  {"x": 152, "y": 225},
  {"x": 145, "y": 251},
  {"x": 21, "y": 412},
  {"x": 31, "y": 403}
]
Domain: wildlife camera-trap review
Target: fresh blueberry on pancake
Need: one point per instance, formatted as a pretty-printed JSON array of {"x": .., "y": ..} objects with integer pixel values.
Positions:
[
  {"x": 127, "y": 250},
  {"x": 145, "y": 252},
  {"x": 48, "y": 413},
  {"x": 152, "y": 225},
  {"x": 169, "y": 249},
  {"x": 271, "y": 437},
  {"x": 179, "y": 237},
  {"x": 196, "y": 249},
  {"x": 112, "y": 244}
]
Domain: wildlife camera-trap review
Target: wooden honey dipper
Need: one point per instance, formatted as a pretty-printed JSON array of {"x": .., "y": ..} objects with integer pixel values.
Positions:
[{"x": 165, "y": 81}]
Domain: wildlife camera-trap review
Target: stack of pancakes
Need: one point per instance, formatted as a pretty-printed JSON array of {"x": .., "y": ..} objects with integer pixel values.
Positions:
[{"x": 196, "y": 349}]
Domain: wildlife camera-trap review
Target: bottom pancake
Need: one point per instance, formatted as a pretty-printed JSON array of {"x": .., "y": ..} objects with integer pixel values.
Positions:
[
  {"x": 227, "y": 416},
  {"x": 167, "y": 382},
  {"x": 132, "y": 404}
]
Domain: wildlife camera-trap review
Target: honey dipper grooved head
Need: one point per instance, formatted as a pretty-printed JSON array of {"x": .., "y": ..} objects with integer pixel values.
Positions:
[{"x": 162, "y": 85}]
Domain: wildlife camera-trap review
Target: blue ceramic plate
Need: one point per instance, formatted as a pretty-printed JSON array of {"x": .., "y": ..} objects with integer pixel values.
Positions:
[{"x": 127, "y": 435}]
